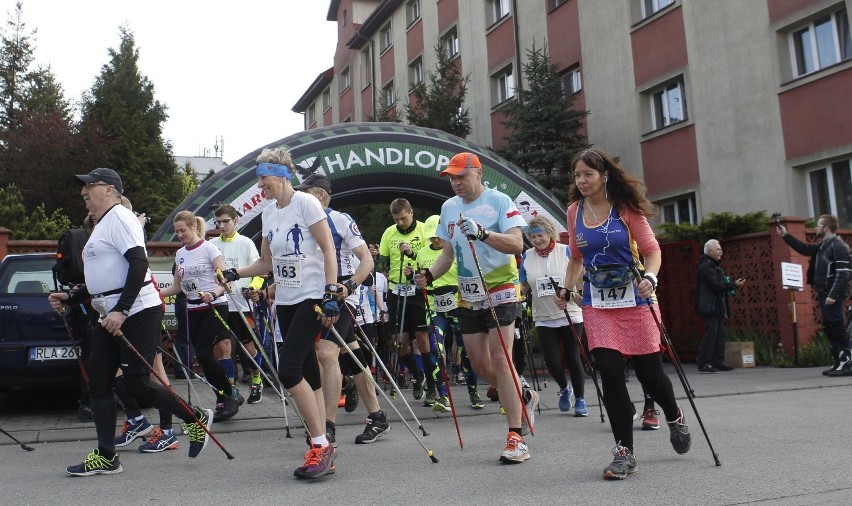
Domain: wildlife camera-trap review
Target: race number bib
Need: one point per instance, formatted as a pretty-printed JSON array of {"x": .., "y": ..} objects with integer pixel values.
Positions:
[
  {"x": 471, "y": 289},
  {"x": 503, "y": 296},
  {"x": 288, "y": 271},
  {"x": 99, "y": 305},
  {"x": 446, "y": 302},
  {"x": 544, "y": 285},
  {"x": 190, "y": 287},
  {"x": 405, "y": 290},
  {"x": 614, "y": 297}
]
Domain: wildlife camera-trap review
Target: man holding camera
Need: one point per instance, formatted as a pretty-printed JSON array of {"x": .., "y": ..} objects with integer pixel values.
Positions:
[{"x": 829, "y": 272}]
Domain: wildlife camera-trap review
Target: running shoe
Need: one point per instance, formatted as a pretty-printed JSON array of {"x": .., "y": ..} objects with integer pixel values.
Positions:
[
  {"x": 580, "y": 408},
  {"x": 679, "y": 434},
  {"x": 623, "y": 464},
  {"x": 377, "y": 426},
  {"x": 516, "y": 450},
  {"x": 442, "y": 404},
  {"x": 650, "y": 420},
  {"x": 565, "y": 395},
  {"x": 417, "y": 389},
  {"x": 530, "y": 406},
  {"x": 230, "y": 405},
  {"x": 198, "y": 437},
  {"x": 492, "y": 394},
  {"x": 95, "y": 463},
  {"x": 351, "y": 393},
  {"x": 460, "y": 379},
  {"x": 255, "y": 393},
  {"x": 429, "y": 401},
  {"x": 130, "y": 431},
  {"x": 319, "y": 461},
  {"x": 159, "y": 441},
  {"x": 475, "y": 401}
]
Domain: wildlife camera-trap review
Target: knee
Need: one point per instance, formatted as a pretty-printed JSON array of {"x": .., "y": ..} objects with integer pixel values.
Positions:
[{"x": 327, "y": 353}]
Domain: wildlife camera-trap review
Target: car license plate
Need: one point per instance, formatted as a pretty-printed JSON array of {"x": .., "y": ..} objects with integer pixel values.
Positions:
[{"x": 44, "y": 353}]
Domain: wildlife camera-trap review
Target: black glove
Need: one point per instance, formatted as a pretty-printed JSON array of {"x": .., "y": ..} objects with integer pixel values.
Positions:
[
  {"x": 230, "y": 275},
  {"x": 428, "y": 275},
  {"x": 351, "y": 286},
  {"x": 330, "y": 307}
]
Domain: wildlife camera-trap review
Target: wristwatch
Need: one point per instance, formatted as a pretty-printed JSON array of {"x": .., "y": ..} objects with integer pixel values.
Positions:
[
  {"x": 332, "y": 289},
  {"x": 125, "y": 312}
]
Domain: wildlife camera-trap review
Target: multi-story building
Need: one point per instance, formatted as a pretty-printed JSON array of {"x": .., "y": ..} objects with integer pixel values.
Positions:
[{"x": 725, "y": 105}]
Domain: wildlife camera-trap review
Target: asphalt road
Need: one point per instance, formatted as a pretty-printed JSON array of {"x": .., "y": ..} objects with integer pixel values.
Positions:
[{"x": 781, "y": 436}]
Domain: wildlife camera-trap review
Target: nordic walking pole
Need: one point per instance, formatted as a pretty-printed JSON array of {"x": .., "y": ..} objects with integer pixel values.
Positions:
[
  {"x": 500, "y": 333},
  {"x": 364, "y": 370},
  {"x": 582, "y": 350},
  {"x": 678, "y": 366},
  {"x": 442, "y": 366},
  {"x": 177, "y": 359},
  {"x": 187, "y": 370},
  {"x": 139, "y": 356},
  {"x": 22, "y": 445},
  {"x": 77, "y": 349},
  {"x": 369, "y": 345},
  {"x": 281, "y": 393}
]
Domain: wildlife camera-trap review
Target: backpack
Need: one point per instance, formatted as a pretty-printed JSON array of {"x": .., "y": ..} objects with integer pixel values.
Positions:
[{"x": 68, "y": 270}]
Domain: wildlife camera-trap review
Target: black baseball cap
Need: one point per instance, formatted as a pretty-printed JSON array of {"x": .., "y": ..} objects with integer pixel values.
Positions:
[
  {"x": 315, "y": 181},
  {"x": 107, "y": 176}
]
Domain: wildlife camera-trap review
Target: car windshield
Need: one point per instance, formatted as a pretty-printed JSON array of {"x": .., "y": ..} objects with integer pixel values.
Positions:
[{"x": 30, "y": 276}]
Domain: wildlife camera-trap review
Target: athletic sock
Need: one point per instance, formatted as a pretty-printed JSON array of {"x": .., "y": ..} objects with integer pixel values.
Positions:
[
  {"x": 258, "y": 359},
  {"x": 319, "y": 441},
  {"x": 516, "y": 430},
  {"x": 228, "y": 365},
  {"x": 255, "y": 378},
  {"x": 418, "y": 359},
  {"x": 136, "y": 419}
]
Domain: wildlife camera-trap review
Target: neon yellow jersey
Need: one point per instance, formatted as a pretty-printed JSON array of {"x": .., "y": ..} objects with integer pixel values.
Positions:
[
  {"x": 389, "y": 247},
  {"x": 425, "y": 258}
]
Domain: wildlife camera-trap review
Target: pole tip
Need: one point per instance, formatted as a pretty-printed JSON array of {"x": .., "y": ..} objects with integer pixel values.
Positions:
[{"x": 432, "y": 457}]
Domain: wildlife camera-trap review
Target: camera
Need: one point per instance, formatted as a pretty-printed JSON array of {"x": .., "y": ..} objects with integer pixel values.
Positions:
[
  {"x": 146, "y": 218},
  {"x": 777, "y": 218}
]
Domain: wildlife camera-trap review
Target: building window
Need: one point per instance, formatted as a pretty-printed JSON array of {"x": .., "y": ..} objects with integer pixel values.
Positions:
[
  {"x": 366, "y": 66},
  {"x": 497, "y": 10},
  {"x": 668, "y": 105},
  {"x": 389, "y": 94},
  {"x": 385, "y": 37},
  {"x": 345, "y": 80},
  {"x": 556, "y": 3},
  {"x": 312, "y": 113},
  {"x": 326, "y": 99},
  {"x": 571, "y": 81},
  {"x": 450, "y": 43},
  {"x": 651, "y": 7},
  {"x": 503, "y": 85},
  {"x": 821, "y": 43},
  {"x": 830, "y": 191},
  {"x": 412, "y": 11},
  {"x": 679, "y": 210},
  {"x": 415, "y": 73}
]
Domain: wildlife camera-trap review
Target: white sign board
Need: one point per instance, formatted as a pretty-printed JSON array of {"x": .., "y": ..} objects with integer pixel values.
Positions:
[{"x": 791, "y": 276}]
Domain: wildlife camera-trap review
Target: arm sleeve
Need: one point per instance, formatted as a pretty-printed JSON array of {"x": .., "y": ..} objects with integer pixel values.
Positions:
[
  {"x": 136, "y": 272},
  {"x": 641, "y": 231},
  {"x": 522, "y": 271},
  {"x": 572, "y": 232},
  {"x": 800, "y": 247}
]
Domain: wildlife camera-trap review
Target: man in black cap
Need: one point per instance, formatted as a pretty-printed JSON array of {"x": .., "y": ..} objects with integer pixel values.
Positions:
[
  {"x": 355, "y": 266},
  {"x": 119, "y": 283}
]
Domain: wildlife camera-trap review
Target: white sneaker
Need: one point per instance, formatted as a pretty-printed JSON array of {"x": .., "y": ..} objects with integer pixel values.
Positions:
[
  {"x": 530, "y": 407},
  {"x": 516, "y": 450}
]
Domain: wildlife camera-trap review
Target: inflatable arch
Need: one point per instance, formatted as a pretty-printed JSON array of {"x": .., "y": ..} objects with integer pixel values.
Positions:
[{"x": 367, "y": 163}]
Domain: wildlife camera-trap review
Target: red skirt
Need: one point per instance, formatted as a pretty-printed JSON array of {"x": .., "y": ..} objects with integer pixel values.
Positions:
[{"x": 630, "y": 330}]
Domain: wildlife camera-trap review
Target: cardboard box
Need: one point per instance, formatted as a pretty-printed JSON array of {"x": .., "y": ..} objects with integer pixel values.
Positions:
[{"x": 739, "y": 354}]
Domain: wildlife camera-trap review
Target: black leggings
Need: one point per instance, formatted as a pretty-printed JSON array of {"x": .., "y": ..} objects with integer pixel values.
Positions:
[
  {"x": 300, "y": 328},
  {"x": 649, "y": 372},
  {"x": 206, "y": 330},
  {"x": 552, "y": 340}
]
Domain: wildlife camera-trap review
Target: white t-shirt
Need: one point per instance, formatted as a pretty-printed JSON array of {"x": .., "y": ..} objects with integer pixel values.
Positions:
[
  {"x": 537, "y": 272},
  {"x": 195, "y": 266},
  {"x": 380, "y": 281},
  {"x": 104, "y": 265},
  {"x": 346, "y": 237},
  {"x": 238, "y": 251},
  {"x": 363, "y": 309},
  {"x": 297, "y": 260}
]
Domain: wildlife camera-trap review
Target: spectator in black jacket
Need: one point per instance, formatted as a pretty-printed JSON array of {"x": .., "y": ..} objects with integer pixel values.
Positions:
[
  {"x": 712, "y": 288},
  {"x": 829, "y": 272}
]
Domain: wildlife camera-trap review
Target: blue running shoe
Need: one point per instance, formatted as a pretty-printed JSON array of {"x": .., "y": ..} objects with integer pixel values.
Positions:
[
  {"x": 580, "y": 407},
  {"x": 96, "y": 463},
  {"x": 131, "y": 431},
  {"x": 160, "y": 441},
  {"x": 565, "y": 399}
]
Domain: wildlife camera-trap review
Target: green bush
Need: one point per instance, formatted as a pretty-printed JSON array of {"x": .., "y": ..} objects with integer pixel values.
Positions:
[{"x": 715, "y": 226}]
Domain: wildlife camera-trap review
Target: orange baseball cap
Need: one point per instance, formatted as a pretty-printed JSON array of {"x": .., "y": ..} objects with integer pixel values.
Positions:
[{"x": 460, "y": 164}]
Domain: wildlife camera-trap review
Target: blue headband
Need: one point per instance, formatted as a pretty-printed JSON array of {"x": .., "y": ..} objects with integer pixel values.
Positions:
[
  {"x": 273, "y": 169},
  {"x": 536, "y": 230}
]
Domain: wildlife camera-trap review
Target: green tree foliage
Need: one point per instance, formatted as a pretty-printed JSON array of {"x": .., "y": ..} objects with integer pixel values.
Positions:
[
  {"x": 385, "y": 109},
  {"x": 15, "y": 59},
  {"x": 546, "y": 129},
  {"x": 189, "y": 179},
  {"x": 718, "y": 226},
  {"x": 440, "y": 105},
  {"x": 29, "y": 225},
  {"x": 123, "y": 110}
]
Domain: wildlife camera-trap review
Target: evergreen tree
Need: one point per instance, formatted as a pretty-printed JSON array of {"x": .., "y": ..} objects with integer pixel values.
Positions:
[
  {"x": 122, "y": 109},
  {"x": 440, "y": 105},
  {"x": 385, "y": 109},
  {"x": 16, "y": 55},
  {"x": 545, "y": 128}
]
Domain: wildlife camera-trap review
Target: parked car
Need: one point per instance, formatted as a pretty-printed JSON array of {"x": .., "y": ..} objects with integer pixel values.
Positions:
[{"x": 35, "y": 347}]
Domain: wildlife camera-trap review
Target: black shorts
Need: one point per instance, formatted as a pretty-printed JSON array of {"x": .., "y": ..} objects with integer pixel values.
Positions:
[
  {"x": 141, "y": 329},
  {"x": 476, "y": 321},
  {"x": 414, "y": 316},
  {"x": 239, "y": 328},
  {"x": 344, "y": 326}
]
